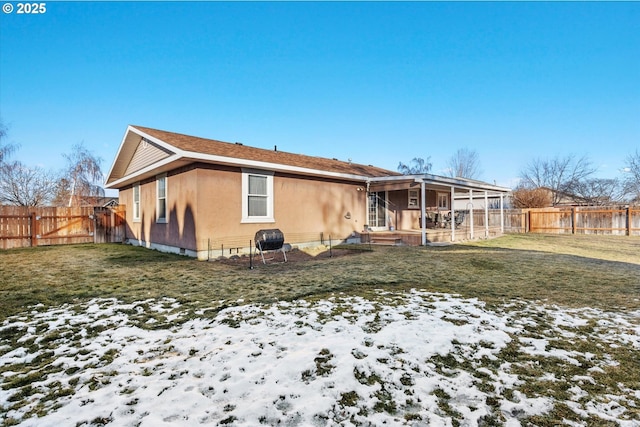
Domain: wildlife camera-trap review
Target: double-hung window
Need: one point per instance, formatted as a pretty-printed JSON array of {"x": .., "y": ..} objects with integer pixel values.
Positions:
[
  {"x": 443, "y": 200},
  {"x": 136, "y": 202},
  {"x": 257, "y": 196},
  {"x": 414, "y": 199},
  {"x": 161, "y": 189}
]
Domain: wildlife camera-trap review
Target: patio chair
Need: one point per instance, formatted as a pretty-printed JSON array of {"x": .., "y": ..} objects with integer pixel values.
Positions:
[
  {"x": 459, "y": 218},
  {"x": 430, "y": 220}
]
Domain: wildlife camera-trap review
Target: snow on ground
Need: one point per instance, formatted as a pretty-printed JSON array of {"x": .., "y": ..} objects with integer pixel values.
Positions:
[{"x": 396, "y": 359}]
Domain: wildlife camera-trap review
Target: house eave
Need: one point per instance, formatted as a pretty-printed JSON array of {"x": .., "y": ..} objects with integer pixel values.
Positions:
[
  {"x": 127, "y": 146},
  {"x": 157, "y": 168},
  {"x": 441, "y": 181},
  {"x": 186, "y": 157},
  {"x": 277, "y": 167}
]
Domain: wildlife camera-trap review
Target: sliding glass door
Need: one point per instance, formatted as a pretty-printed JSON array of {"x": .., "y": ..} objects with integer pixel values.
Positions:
[{"x": 378, "y": 210}]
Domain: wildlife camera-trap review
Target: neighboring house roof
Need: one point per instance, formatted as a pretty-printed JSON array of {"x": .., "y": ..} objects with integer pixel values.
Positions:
[
  {"x": 564, "y": 198},
  {"x": 145, "y": 152}
]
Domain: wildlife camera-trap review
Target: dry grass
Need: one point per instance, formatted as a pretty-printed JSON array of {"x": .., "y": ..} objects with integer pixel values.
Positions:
[
  {"x": 609, "y": 248},
  {"x": 578, "y": 271}
]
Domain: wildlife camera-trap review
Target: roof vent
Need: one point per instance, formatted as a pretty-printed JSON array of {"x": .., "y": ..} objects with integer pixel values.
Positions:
[{"x": 239, "y": 143}]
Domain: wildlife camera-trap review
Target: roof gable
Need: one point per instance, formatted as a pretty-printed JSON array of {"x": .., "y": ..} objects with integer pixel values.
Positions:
[{"x": 146, "y": 153}]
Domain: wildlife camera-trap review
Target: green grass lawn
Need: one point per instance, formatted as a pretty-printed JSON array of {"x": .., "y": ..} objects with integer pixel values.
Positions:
[{"x": 575, "y": 271}]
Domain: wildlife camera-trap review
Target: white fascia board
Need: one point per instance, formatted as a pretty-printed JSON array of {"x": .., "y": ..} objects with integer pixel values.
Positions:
[
  {"x": 115, "y": 159},
  {"x": 208, "y": 158},
  {"x": 479, "y": 194},
  {"x": 133, "y": 129},
  {"x": 143, "y": 171},
  {"x": 155, "y": 140},
  {"x": 463, "y": 183},
  {"x": 443, "y": 180},
  {"x": 249, "y": 163},
  {"x": 271, "y": 166}
]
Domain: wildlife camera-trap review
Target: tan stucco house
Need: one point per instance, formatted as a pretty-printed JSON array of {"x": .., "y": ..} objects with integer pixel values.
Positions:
[{"x": 192, "y": 195}]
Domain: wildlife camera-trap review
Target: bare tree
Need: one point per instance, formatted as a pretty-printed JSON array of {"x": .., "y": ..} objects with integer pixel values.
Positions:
[
  {"x": 530, "y": 198},
  {"x": 24, "y": 186},
  {"x": 416, "y": 167},
  {"x": 561, "y": 175},
  {"x": 19, "y": 184},
  {"x": 632, "y": 176},
  {"x": 5, "y": 149},
  {"x": 83, "y": 176},
  {"x": 465, "y": 163},
  {"x": 599, "y": 192}
]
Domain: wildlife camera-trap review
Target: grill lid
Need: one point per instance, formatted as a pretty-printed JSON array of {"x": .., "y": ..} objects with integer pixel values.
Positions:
[{"x": 269, "y": 240}]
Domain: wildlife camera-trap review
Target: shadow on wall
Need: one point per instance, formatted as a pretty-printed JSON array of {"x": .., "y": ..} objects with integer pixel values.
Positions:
[
  {"x": 340, "y": 212},
  {"x": 176, "y": 232}
]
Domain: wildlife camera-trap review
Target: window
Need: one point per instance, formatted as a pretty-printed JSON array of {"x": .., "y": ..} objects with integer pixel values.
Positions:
[
  {"x": 257, "y": 196},
  {"x": 162, "y": 198},
  {"x": 443, "y": 200},
  {"x": 136, "y": 202},
  {"x": 414, "y": 199}
]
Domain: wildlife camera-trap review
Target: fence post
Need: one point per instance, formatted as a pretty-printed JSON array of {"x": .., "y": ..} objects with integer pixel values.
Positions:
[
  {"x": 95, "y": 226},
  {"x": 34, "y": 230},
  {"x": 573, "y": 220},
  {"x": 629, "y": 220}
]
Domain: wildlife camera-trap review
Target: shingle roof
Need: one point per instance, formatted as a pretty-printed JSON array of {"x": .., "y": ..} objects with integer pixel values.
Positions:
[{"x": 239, "y": 151}]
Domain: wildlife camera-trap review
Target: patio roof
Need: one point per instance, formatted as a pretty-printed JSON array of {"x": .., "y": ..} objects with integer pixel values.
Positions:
[
  {"x": 445, "y": 184},
  {"x": 436, "y": 182}
]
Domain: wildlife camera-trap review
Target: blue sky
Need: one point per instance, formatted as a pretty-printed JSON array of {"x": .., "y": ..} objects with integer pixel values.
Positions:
[{"x": 375, "y": 82}]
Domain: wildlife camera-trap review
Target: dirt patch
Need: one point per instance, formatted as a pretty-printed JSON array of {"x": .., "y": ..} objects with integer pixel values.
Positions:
[{"x": 295, "y": 255}]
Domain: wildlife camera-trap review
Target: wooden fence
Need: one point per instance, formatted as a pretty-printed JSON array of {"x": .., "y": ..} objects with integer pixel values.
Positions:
[
  {"x": 24, "y": 227},
  {"x": 514, "y": 219},
  {"x": 573, "y": 220}
]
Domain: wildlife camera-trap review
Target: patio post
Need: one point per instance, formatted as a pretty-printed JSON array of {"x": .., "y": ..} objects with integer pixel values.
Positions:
[
  {"x": 486, "y": 214},
  {"x": 423, "y": 213},
  {"x": 453, "y": 215},
  {"x": 501, "y": 213},
  {"x": 470, "y": 205}
]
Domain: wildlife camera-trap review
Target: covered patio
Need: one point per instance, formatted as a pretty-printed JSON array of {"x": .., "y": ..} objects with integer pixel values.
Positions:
[{"x": 423, "y": 209}]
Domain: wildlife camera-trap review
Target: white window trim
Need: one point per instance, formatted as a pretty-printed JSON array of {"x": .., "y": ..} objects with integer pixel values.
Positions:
[
  {"x": 446, "y": 196},
  {"x": 245, "y": 197},
  {"x": 416, "y": 197},
  {"x": 166, "y": 205},
  {"x": 136, "y": 218}
]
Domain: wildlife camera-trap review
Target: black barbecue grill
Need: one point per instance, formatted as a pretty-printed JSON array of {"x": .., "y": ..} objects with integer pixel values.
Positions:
[{"x": 270, "y": 240}]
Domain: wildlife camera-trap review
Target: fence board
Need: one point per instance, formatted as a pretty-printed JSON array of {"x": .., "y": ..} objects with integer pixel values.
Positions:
[
  {"x": 109, "y": 224},
  {"x": 578, "y": 220},
  {"x": 42, "y": 226}
]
